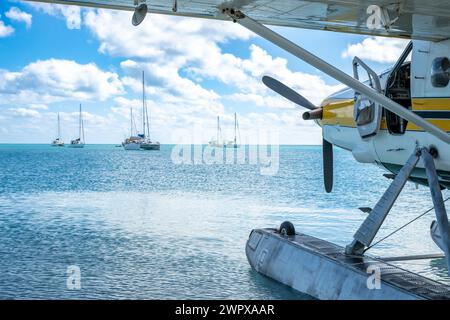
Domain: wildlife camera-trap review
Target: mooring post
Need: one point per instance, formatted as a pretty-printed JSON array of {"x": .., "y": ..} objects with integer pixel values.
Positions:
[{"x": 438, "y": 202}]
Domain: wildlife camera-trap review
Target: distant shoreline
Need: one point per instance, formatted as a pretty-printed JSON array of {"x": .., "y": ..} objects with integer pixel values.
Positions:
[{"x": 162, "y": 144}]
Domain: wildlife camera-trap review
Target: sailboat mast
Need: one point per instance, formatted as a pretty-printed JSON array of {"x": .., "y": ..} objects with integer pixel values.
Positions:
[
  {"x": 131, "y": 122},
  {"x": 82, "y": 130},
  {"x": 59, "y": 129},
  {"x": 143, "y": 104},
  {"x": 146, "y": 111},
  {"x": 79, "y": 124},
  {"x": 146, "y": 119},
  {"x": 218, "y": 129},
  {"x": 235, "y": 127},
  {"x": 82, "y": 124}
]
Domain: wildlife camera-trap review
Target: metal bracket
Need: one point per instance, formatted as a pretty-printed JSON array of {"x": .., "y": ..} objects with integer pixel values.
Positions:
[{"x": 233, "y": 14}]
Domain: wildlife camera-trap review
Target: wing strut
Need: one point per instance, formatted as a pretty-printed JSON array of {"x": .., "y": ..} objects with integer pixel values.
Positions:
[{"x": 335, "y": 73}]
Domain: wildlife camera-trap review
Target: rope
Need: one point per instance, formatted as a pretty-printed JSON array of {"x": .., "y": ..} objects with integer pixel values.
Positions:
[{"x": 402, "y": 227}]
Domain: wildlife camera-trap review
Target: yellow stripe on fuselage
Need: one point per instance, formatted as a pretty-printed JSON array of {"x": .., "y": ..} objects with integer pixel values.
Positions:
[
  {"x": 339, "y": 112},
  {"x": 429, "y": 104}
]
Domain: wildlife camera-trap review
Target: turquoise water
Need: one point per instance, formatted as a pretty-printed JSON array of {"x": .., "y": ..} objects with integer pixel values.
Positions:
[{"x": 139, "y": 226}]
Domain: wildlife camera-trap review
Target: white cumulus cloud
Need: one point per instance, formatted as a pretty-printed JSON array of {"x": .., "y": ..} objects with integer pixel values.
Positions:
[
  {"x": 190, "y": 78},
  {"x": 16, "y": 14},
  {"x": 25, "y": 112},
  {"x": 46, "y": 81},
  {"x": 378, "y": 49},
  {"x": 5, "y": 30},
  {"x": 72, "y": 14}
]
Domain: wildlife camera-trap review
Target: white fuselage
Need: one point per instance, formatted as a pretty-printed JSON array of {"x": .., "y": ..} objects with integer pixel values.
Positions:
[{"x": 387, "y": 147}]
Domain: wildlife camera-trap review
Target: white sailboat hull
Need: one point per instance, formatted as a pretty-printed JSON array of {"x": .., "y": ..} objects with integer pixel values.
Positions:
[
  {"x": 150, "y": 146},
  {"x": 131, "y": 146},
  {"x": 81, "y": 145},
  {"x": 214, "y": 144},
  {"x": 57, "y": 143}
]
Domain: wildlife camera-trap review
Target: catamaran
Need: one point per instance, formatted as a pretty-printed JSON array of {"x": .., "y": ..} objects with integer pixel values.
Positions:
[
  {"x": 140, "y": 140},
  {"x": 218, "y": 143},
  {"x": 133, "y": 142},
  {"x": 79, "y": 142},
  {"x": 58, "y": 142}
]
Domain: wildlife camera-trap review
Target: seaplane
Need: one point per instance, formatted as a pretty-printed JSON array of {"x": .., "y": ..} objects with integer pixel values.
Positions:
[{"x": 398, "y": 120}]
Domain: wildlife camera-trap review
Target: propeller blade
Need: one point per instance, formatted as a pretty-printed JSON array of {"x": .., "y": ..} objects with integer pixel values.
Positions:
[
  {"x": 327, "y": 149},
  {"x": 287, "y": 92}
]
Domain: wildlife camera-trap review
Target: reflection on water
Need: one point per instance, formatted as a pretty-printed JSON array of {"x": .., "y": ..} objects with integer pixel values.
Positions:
[{"x": 139, "y": 226}]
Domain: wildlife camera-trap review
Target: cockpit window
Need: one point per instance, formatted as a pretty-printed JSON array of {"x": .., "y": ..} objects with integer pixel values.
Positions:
[{"x": 440, "y": 72}]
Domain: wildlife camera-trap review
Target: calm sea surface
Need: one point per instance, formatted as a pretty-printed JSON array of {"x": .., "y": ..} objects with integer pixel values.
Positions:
[{"x": 140, "y": 226}]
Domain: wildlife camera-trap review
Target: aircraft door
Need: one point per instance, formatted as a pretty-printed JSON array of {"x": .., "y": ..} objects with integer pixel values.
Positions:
[
  {"x": 366, "y": 113},
  {"x": 419, "y": 68}
]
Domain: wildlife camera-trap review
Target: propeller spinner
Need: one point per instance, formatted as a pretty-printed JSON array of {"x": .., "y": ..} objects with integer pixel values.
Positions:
[{"x": 314, "y": 113}]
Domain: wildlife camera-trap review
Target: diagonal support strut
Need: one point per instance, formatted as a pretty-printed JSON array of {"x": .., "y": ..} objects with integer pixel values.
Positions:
[
  {"x": 438, "y": 202},
  {"x": 369, "y": 228}
]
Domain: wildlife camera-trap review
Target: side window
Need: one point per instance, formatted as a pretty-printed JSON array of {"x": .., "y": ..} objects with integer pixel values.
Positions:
[{"x": 440, "y": 72}]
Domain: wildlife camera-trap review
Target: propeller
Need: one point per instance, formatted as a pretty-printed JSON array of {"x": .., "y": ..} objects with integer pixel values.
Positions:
[{"x": 314, "y": 113}]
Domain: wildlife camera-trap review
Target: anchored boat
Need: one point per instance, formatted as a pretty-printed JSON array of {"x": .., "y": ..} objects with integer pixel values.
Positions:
[
  {"x": 141, "y": 140},
  {"x": 133, "y": 142},
  {"x": 79, "y": 142},
  {"x": 218, "y": 143},
  {"x": 58, "y": 142}
]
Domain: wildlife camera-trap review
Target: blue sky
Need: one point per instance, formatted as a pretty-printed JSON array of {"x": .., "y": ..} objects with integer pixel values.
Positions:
[{"x": 54, "y": 57}]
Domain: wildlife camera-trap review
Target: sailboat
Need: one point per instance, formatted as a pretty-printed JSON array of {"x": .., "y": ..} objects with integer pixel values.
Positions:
[
  {"x": 147, "y": 143},
  {"x": 234, "y": 144},
  {"x": 79, "y": 142},
  {"x": 218, "y": 143},
  {"x": 133, "y": 142},
  {"x": 58, "y": 142}
]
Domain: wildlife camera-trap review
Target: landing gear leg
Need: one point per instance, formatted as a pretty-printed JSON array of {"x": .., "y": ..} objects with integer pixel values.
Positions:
[
  {"x": 369, "y": 228},
  {"x": 438, "y": 201}
]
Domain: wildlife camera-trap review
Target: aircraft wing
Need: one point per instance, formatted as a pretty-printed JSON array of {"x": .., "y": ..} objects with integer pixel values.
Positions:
[{"x": 417, "y": 19}]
